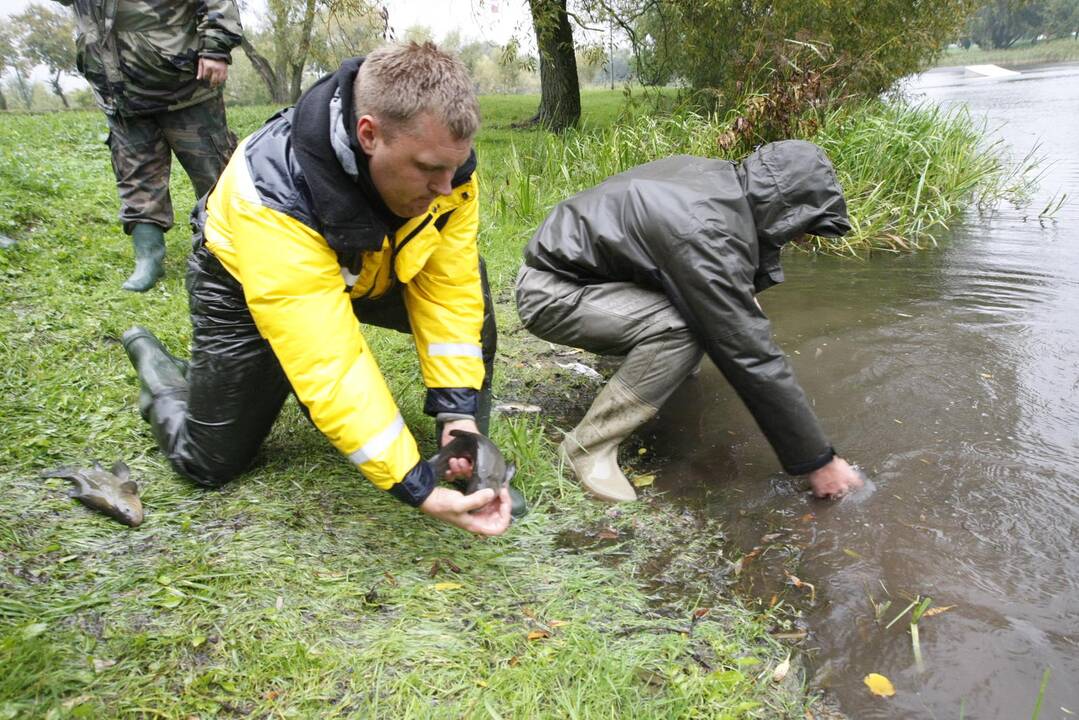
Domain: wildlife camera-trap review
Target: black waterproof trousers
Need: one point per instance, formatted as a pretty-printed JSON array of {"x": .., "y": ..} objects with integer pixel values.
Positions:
[{"x": 211, "y": 429}]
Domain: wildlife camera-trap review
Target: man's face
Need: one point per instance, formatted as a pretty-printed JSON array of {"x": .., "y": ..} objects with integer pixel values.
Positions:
[{"x": 415, "y": 164}]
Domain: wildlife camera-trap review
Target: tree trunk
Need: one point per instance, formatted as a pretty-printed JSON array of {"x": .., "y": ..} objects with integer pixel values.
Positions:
[
  {"x": 55, "y": 82},
  {"x": 560, "y": 93},
  {"x": 300, "y": 60},
  {"x": 278, "y": 91},
  {"x": 3, "y": 101}
]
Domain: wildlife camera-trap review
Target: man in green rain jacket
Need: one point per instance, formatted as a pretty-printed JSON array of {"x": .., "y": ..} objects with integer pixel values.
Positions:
[{"x": 157, "y": 68}]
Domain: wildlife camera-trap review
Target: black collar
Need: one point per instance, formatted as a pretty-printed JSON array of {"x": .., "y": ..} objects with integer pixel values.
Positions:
[{"x": 353, "y": 216}]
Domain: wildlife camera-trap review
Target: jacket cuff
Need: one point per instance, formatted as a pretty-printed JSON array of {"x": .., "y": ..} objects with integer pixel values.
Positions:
[
  {"x": 212, "y": 55},
  {"x": 460, "y": 401},
  {"x": 417, "y": 484},
  {"x": 815, "y": 464}
]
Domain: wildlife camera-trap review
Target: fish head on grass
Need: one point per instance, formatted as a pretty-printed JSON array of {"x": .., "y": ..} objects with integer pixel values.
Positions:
[
  {"x": 111, "y": 491},
  {"x": 489, "y": 466}
]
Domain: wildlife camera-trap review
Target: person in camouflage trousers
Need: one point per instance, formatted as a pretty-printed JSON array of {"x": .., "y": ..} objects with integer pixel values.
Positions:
[{"x": 157, "y": 68}]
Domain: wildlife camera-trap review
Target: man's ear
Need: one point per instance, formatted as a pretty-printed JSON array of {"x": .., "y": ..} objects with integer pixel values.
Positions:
[{"x": 368, "y": 133}]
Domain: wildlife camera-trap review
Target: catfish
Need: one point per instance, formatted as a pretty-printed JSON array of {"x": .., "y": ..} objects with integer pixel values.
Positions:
[
  {"x": 489, "y": 467},
  {"x": 111, "y": 491}
]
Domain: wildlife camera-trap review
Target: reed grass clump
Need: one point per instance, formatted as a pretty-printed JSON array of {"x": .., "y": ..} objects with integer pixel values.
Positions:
[
  {"x": 907, "y": 170},
  {"x": 910, "y": 170}
]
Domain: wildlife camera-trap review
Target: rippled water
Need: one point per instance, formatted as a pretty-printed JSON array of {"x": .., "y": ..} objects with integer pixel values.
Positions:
[{"x": 952, "y": 378}]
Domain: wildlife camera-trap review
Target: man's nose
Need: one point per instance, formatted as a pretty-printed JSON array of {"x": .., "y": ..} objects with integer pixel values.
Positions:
[{"x": 441, "y": 183}]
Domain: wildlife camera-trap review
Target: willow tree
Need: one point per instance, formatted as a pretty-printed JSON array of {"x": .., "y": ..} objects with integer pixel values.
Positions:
[
  {"x": 727, "y": 46},
  {"x": 281, "y": 48},
  {"x": 9, "y": 54},
  {"x": 48, "y": 38}
]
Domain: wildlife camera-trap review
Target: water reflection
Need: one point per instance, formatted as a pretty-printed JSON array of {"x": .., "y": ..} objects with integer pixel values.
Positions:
[{"x": 951, "y": 377}]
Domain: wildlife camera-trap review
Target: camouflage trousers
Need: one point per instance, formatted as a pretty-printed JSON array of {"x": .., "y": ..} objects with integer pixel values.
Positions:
[{"x": 142, "y": 148}]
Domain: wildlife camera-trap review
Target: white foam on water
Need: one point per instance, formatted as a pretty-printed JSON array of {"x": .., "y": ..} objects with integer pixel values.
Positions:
[{"x": 991, "y": 71}]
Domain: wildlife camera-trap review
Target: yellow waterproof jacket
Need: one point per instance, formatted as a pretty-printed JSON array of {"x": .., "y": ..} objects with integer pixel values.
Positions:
[{"x": 264, "y": 225}]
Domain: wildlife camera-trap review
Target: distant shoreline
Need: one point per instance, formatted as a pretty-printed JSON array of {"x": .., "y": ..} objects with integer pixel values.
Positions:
[{"x": 1046, "y": 51}]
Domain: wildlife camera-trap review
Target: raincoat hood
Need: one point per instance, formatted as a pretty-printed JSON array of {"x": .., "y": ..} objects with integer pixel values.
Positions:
[{"x": 792, "y": 189}]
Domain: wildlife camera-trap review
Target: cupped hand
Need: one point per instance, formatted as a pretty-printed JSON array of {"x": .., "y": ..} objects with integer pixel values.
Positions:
[
  {"x": 482, "y": 512},
  {"x": 835, "y": 479}
]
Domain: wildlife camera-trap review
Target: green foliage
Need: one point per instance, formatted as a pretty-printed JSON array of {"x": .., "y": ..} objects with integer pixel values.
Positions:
[
  {"x": 1061, "y": 18},
  {"x": 47, "y": 37},
  {"x": 907, "y": 171},
  {"x": 1000, "y": 24},
  {"x": 731, "y": 48},
  {"x": 9, "y": 50}
]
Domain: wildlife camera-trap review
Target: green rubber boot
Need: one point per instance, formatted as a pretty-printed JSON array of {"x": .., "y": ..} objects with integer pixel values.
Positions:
[
  {"x": 149, "y": 243},
  {"x": 159, "y": 372},
  {"x": 590, "y": 450}
]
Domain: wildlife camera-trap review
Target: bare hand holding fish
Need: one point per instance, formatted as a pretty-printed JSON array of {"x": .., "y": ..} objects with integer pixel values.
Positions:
[{"x": 477, "y": 465}]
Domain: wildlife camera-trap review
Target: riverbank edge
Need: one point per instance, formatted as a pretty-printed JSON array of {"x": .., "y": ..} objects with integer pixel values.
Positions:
[{"x": 1060, "y": 50}]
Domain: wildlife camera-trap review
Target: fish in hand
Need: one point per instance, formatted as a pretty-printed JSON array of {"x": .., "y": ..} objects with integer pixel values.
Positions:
[{"x": 489, "y": 467}]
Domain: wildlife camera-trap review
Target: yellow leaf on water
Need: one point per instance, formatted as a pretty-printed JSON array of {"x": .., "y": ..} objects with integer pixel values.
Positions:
[
  {"x": 643, "y": 480},
  {"x": 879, "y": 685},
  {"x": 443, "y": 586},
  {"x": 937, "y": 610},
  {"x": 642, "y": 451}
]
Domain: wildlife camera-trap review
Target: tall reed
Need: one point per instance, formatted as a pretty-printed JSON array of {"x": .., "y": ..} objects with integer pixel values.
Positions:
[{"x": 907, "y": 171}]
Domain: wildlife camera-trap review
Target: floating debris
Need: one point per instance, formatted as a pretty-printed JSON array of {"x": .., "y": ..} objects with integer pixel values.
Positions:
[
  {"x": 512, "y": 408},
  {"x": 581, "y": 369}
]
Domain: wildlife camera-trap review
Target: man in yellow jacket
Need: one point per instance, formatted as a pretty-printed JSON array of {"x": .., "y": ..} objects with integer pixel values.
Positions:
[{"x": 360, "y": 203}]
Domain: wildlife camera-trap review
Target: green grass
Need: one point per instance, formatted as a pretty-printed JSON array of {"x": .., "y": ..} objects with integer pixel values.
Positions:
[
  {"x": 907, "y": 171},
  {"x": 300, "y": 590},
  {"x": 1025, "y": 53}
]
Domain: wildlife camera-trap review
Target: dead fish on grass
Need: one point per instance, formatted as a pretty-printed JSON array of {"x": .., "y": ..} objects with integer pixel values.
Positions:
[
  {"x": 111, "y": 491},
  {"x": 489, "y": 468}
]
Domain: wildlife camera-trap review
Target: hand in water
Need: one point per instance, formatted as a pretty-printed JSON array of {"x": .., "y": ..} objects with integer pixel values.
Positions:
[
  {"x": 483, "y": 512},
  {"x": 835, "y": 479}
]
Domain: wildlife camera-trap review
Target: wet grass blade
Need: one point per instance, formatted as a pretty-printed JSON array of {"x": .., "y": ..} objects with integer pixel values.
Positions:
[{"x": 1041, "y": 695}]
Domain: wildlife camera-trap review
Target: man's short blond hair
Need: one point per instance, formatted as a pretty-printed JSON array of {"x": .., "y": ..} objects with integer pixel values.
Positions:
[{"x": 398, "y": 83}]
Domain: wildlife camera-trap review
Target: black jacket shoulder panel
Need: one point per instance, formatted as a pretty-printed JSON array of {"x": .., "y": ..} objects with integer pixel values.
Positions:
[{"x": 276, "y": 175}]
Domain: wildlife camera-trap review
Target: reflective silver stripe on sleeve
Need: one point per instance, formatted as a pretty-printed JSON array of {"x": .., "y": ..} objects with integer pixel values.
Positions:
[
  {"x": 379, "y": 443},
  {"x": 350, "y": 279},
  {"x": 454, "y": 349}
]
